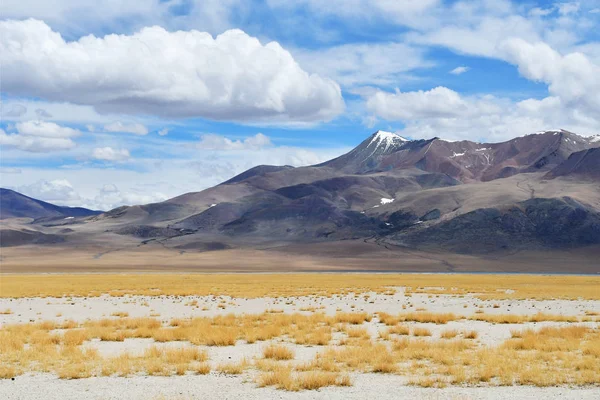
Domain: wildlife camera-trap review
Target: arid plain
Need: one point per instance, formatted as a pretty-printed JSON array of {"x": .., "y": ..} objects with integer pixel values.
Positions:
[{"x": 298, "y": 335}]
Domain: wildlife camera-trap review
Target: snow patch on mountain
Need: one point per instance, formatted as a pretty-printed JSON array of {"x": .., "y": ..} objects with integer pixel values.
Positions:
[{"x": 386, "y": 139}]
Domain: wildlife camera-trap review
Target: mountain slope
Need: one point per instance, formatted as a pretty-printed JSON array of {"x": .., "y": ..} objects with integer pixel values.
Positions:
[
  {"x": 463, "y": 197},
  {"x": 17, "y": 205},
  {"x": 582, "y": 164}
]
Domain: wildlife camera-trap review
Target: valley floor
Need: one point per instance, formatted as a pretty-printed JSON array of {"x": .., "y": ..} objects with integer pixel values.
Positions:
[{"x": 299, "y": 336}]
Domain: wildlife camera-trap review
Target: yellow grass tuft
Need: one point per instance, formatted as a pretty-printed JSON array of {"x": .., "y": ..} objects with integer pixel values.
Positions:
[
  {"x": 352, "y": 318},
  {"x": 233, "y": 368},
  {"x": 449, "y": 334},
  {"x": 421, "y": 332},
  {"x": 278, "y": 352},
  {"x": 120, "y": 314}
]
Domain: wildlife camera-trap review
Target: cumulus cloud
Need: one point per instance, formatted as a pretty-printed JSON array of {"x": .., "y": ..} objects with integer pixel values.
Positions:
[
  {"x": 218, "y": 142},
  {"x": 573, "y": 77},
  {"x": 459, "y": 70},
  {"x": 106, "y": 197},
  {"x": 439, "y": 102},
  {"x": 164, "y": 131},
  {"x": 109, "y": 197},
  {"x": 444, "y": 113},
  {"x": 135, "y": 128},
  {"x": 39, "y": 137},
  {"x": 76, "y": 17},
  {"x": 58, "y": 191},
  {"x": 230, "y": 77},
  {"x": 110, "y": 154},
  {"x": 360, "y": 64}
]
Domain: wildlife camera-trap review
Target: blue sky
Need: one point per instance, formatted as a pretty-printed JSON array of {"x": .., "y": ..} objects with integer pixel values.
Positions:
[{"x": 108, "y": 103}]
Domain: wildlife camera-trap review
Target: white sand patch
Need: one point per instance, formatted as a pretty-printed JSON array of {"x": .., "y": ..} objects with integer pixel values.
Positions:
[{"x": 219, "y": 386}]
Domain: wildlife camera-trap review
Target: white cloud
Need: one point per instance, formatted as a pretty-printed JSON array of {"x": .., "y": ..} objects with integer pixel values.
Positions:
[
  {"x": 405, "y": 12},
  {"x": 20, "y": 109},
  {"x": 360, "y": 64},
  {"x": 230, "y": 77},
  {"x": 54, "y": 191},
  {"x": 76, "y": 17},
  {"x": 444, "y": 113},
  {"x": 14, "y": 110},
  {"x": 42, "y": 114},
  {"x": 10, "y": 170},
  {"x": 460, "y": 70},
  {"x": 480, "y": 37},
  {"x": 573, "y": 77},
  {"x": 110, "y": 154},
  {"x": 39, "y": 137},
  {"x": 218, "y": 142},
  {"x": 164, "y": 131},
  {"x": 104, "y": 197},
  {"x": 135, "y": 128},
  {"x": 109, "y": 197},
  {"x": 439, "y": 102},
  {"x": 568, "y": 8}
]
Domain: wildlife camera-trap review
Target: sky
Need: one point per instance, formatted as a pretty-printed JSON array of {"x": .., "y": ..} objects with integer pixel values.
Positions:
[{"x": 108, "y": 103}]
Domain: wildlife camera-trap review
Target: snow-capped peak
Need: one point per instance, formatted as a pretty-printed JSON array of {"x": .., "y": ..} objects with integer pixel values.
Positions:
[
  {"x": 386, "y": 140},
  {"x": 594, "y": 139},
  {"x": 383, "y": 135}
]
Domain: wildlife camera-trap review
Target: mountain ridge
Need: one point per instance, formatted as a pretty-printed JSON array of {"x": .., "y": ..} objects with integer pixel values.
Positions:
[{"x": 415, "y": 193}]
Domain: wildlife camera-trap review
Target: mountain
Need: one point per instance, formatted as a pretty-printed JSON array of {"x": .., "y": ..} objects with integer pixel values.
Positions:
[
  {"x": 17, "y": 205},
  {"x": 582, "y": 164},
  {"x": 531, "y": 193},
  {"x": 465, "y": 161}
]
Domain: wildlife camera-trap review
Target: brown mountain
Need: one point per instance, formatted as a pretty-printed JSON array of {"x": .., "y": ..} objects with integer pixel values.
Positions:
[
  {"x": 430, "y": 194},
  {"x": 582, "y": 164}
]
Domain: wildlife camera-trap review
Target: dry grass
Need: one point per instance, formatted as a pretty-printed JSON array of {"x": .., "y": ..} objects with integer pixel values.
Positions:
[
  {"x": 352, "y": 318},
  {"x": 233, "y": 368},
  {"x": 521, "y": 319},
  {"x": 278, "y": 352},
  {"x": 281, "y": 285},
  {"x": 280, "y": 377},
  {"x": 449, "y": 334},
  {"x": 429, "y": 317},
  {"x": 284, "y": 378},
  {"x": 357, "y": 332},
  {"x": 399, "y": 330},
  {"x": 120, "y": 314},
  {"x": 421, "y": 332},
  {"x": 470, "y": 334},
  {"x": 547, "y": 356}
]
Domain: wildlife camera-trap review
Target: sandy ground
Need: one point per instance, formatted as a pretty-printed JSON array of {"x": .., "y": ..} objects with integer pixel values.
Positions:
[{"x": 216, "y": 385}]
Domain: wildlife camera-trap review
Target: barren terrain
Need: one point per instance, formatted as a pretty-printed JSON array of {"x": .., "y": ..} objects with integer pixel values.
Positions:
[{"x": 297, "y": 336}]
